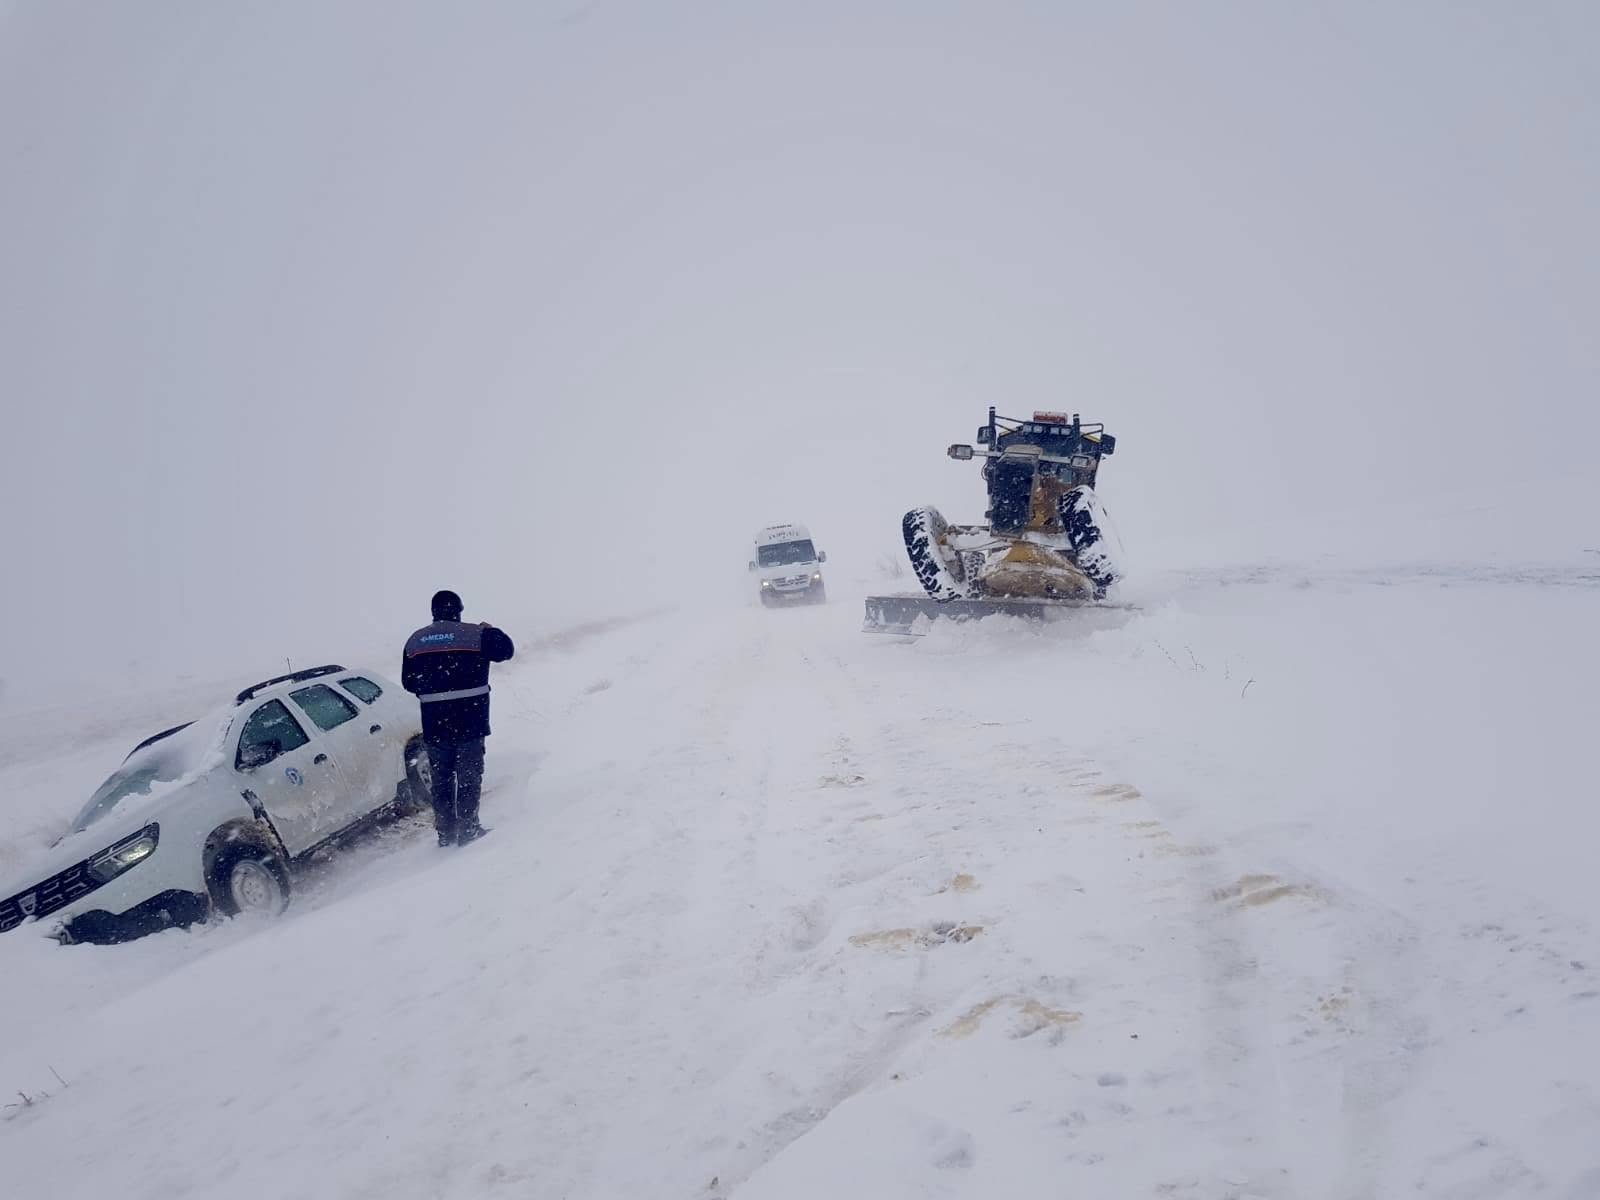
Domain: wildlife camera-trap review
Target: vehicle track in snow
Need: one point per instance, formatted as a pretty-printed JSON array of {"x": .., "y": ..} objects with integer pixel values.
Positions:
[{"x": 915, "y": 817}]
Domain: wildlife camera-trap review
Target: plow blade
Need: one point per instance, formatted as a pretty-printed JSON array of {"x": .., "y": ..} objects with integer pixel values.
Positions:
[{"x": 897, "y": 614}]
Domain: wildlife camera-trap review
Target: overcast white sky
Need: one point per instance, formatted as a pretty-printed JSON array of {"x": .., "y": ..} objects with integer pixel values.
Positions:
[{"x": 307, "y": 309}]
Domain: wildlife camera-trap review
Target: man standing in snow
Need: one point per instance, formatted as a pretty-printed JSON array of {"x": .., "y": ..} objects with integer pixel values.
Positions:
[{"x": 447, "y": 668}]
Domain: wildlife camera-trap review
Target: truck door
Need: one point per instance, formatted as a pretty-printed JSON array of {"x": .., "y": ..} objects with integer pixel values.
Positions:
[
  {"x": 360, "y": 747},
  {"x": 293, "y": 775}
]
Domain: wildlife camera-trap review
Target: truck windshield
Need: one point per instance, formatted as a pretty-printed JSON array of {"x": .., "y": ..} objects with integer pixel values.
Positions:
[
  {"x": 130, "y": 781},
  {"x": 152, "y": 767},
  {"x": 783, "y": 554}
]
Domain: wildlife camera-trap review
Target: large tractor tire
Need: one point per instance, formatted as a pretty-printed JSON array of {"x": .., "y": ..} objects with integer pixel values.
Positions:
[
  {"x": 1093, "y": 541},
  {"x": 923, "y": 528}
]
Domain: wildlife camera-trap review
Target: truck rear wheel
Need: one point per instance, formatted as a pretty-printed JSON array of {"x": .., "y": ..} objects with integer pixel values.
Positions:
[
  {"x": 1088, "y": 531},
  {"x": 415, "y": 792}
]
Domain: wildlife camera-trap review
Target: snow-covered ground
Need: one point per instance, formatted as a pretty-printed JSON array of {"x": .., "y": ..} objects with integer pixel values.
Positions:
[{"x": 1276, "y": 884}]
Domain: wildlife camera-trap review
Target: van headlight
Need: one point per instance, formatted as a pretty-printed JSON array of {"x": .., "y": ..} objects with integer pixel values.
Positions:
[{"x": 125, "y": 855}]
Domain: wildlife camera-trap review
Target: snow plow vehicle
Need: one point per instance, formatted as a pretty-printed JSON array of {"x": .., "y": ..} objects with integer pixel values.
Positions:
[{"x": 1045, "y": 545}]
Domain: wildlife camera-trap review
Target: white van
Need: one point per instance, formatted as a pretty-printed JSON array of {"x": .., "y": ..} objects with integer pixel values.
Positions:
[{"x": 788, "y": 566}]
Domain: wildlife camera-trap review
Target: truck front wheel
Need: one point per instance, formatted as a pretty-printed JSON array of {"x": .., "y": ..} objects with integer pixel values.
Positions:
[{"x": 248, "y": 878}]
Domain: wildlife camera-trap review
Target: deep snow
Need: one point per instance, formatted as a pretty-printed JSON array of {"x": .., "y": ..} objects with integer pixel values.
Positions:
[{"x": 1275, "y": 885}]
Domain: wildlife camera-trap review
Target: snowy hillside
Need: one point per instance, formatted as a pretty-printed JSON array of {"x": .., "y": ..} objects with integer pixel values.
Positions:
[{"x": 1275, "y": 886}]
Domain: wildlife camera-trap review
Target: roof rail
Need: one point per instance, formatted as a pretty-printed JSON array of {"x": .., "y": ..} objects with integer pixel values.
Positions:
[{"x": 254, "y": 689}]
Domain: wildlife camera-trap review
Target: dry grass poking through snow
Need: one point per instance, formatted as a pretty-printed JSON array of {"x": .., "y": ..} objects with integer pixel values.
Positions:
[{"x": 1031, "y": 1017}]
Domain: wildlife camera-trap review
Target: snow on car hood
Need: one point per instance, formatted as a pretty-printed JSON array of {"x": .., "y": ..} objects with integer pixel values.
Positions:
[
  {"x": 133, "y": 793},
  {"x": 154, "y": 771}
]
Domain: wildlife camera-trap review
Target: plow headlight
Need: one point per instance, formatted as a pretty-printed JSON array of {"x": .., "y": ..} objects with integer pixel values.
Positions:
[
  {"x": 125, "y": 855},
  {"x": 960, "y": 452}
]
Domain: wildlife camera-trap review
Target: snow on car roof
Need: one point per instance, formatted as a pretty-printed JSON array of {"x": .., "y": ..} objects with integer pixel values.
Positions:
[
  {"x": 266, "y": 685},
  {"x": 773, "y": 534}
]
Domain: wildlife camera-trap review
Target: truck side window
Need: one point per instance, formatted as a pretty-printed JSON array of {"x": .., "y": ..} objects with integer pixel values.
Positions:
[
  {"x": 269, "y": 732},
  {"x": 324, "y": 705},
  {"x": 363, "y": 689}
]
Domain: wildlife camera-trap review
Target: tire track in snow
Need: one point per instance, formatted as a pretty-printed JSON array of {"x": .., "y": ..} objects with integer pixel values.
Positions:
[
  {"x": 1335, "y": 1037},
  {"x": 813, "y": 737},
  {"x": 746, "y": 745},
  {"x": 945, "y": 795},
  {"x": 884, "y": 862}
]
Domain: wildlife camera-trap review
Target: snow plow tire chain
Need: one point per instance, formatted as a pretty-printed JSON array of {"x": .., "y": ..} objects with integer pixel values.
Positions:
[
  {"x": 1080, "y": 509},
  {"x": 921, "y": 527}
]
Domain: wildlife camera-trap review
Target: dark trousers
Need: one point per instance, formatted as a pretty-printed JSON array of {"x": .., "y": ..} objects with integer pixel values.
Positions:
[{"x": 457, "y": 769}]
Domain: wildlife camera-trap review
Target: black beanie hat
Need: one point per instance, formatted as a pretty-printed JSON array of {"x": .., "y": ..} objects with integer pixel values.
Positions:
[{"x": 446, "y": 606}]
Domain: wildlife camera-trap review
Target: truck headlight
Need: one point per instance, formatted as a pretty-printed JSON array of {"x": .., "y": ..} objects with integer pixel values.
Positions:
[
  {"x": 125, "y": 855},
  {"x": 816, "y": 577},
  {"x": 766, "y": 583}
]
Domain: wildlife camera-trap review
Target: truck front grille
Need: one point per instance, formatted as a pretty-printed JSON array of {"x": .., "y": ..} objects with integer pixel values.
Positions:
[{"x": 45, "y": 898}]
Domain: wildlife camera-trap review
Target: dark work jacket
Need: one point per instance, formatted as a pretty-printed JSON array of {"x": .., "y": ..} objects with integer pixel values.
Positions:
[{"x": 445, "y": 657}]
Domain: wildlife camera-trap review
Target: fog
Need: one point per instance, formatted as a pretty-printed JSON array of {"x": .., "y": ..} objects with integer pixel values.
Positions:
[{"x": 308, "y": 309}]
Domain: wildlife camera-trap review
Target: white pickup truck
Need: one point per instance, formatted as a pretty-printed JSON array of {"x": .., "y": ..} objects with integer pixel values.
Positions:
[{"x": 209, "y": 816}]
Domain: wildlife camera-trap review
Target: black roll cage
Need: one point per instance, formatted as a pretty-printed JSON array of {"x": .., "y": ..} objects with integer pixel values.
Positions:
[{"x": 1077, "y": 437}]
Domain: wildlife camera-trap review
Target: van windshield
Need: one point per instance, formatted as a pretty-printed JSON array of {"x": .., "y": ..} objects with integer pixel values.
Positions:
[{"x": 783, "y": 554}]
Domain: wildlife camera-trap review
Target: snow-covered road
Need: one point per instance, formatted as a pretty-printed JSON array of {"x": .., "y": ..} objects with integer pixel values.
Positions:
[{"x": 1265, "y": 888}]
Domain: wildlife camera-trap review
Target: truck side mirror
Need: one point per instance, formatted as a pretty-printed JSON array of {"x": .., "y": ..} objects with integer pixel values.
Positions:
[
  {"x": 822, "y": 556},
  {"x": 751, "y": 565},
  {"x": 960, "y": 452},
  {"x": 257, "y": 754}
]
